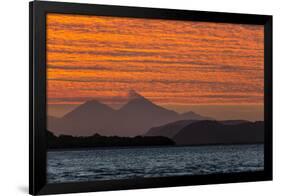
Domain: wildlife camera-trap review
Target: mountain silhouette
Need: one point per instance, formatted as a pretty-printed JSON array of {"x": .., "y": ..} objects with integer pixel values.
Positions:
[
  {"x": 89, "y": 110},
  {"x": 89, "y": 116},
  {"x": 169, "y": 130},
  {"x": 137, "y": 116},
  {"x": 92, "y": 115},
  {"x": 194, "y": 116},
  {"x": 53, "y": 123},
  {"x": 216, "y": 132}
]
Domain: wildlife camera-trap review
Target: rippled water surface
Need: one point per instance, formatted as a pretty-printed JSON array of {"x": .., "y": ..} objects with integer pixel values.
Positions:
[{"x": 126, "y": 163}]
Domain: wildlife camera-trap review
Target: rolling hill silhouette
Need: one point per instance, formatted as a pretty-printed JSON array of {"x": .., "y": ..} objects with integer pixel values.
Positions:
[
  {"x": 168, "y": 130},
  {"x": 216, "y": 132},
  {"x": 171, "y": 129},
  {"x": 134, "y": 118}
]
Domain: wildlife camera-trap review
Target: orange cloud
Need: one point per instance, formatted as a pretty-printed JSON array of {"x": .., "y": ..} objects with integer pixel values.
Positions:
[{"x": 168, "y": 61}]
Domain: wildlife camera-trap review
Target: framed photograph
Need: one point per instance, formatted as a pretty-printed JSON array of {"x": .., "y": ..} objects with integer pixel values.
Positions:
[{"x": 130, "y": 97}]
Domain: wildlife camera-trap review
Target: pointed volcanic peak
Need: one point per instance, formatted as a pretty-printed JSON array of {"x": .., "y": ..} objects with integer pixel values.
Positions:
[
  {"x": 139, "y": 114},
  {"x": 85, "y": 120},
  {"x": 90, "y": 108},
  {"x": 136, "y": 99},
  {"x": 138, "y": 103},
  {"x": 193, "y": 116},
  {"x": 132, "y": 94}
]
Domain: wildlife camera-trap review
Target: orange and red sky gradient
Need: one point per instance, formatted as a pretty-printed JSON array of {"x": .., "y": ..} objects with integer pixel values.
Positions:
[{"x": 212, "y": 68}]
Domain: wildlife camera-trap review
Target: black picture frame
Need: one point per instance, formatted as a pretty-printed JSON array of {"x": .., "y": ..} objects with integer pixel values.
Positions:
[{"x": 37, "y": 96}]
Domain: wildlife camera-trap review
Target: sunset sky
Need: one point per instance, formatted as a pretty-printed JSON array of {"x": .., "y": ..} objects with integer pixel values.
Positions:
[{"x": 215, "y": 69}]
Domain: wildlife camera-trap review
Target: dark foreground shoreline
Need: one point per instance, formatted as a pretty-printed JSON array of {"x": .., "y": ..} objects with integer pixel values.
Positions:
[{"x": 96, "y": 141}]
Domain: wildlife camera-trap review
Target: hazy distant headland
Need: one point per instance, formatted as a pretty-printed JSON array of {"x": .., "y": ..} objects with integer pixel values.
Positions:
[{"x": 211, "y": 132}]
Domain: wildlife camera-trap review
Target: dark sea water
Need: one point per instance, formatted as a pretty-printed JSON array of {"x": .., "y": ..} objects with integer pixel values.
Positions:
[{"x": 128, "y": 163}]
